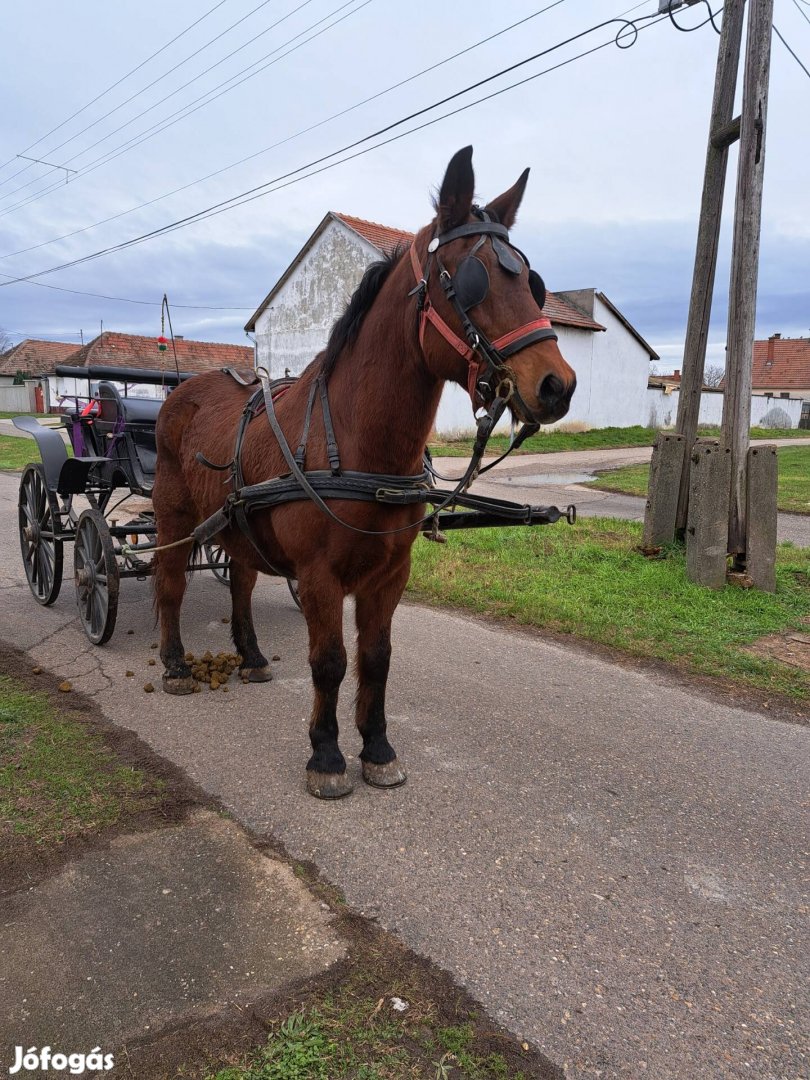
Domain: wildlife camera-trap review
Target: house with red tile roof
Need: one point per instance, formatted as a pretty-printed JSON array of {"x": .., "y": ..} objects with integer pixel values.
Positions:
[
  {"x": 35, "y": 357},
  {"x": 782, "y": 367},
  {"x": 136, "y": 351},
  {"x": 293, "y": 321}
]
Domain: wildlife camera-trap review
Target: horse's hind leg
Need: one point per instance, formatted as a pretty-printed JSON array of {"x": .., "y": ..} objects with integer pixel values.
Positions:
[
  {"x": 374, "y": 611},
  {"x": 254, "y": 666},
  {"x": 170, "y": 587},
  {"x": 322, "y": 603}
]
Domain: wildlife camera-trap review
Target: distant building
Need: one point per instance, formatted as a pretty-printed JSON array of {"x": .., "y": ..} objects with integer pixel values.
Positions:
[
  {"x": 35, "y": 357},
  {"x": 782, "y": 367},
  {"x": 293, "y": 321}
]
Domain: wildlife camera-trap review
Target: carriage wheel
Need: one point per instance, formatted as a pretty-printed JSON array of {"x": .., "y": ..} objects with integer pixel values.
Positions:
[
  {"x": 292, "y": 585},
  {"x": 96, "y": 576},
  {"x": 220, "y": 562},
  {"x": 40, "y": 547}
]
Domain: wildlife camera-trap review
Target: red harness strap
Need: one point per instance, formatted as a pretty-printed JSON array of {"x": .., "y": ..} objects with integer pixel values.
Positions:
[{"x": 429, "y": 315}]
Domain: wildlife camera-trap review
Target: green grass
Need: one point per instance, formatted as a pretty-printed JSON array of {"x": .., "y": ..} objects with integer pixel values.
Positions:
[
  {"x": 793, "y": 493},
  {"x": 550, "y": 442},
  {"x": 57, "y": 780},
  {"x": 16, "y": 452},
  {"x": 366, "y": 1040},
  {"x": 591, "y": 581},
  {"x": 11, "y": 415}
]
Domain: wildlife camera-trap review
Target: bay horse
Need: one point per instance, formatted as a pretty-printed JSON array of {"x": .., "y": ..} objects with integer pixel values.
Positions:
[{"x": 385, "y": 364}]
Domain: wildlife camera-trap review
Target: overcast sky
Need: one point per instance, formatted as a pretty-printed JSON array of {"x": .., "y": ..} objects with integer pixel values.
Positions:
[{"x": 616, "y": 142}]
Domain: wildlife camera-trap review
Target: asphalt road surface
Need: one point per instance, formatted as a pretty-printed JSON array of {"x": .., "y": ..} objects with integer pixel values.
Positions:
[{"x": 609, "y": 861}]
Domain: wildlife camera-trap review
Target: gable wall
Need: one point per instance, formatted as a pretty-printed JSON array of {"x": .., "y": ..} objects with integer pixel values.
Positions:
[{"x": 295, "y": 327}]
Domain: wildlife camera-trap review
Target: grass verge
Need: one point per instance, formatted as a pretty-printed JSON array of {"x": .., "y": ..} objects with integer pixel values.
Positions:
[
  {"x": 351, "y": 1033},
  {"x": 16, "y": 452},
  {"x": 58, "y": 781},
  {"x": 793, "y": 493},
  {"x": 550, "y": 442},
  {"x": 590, "y": 581}
]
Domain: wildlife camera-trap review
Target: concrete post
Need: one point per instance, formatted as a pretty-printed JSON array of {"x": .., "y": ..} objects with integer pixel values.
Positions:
[
  {"x": 760, "y": 545},
  {"x": 662, "y": 497},
  {"x": 707, "y": 524}
]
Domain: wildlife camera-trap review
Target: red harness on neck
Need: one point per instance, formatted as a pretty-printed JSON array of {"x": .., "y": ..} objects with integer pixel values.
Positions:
[{"x": 428, "y": 314}]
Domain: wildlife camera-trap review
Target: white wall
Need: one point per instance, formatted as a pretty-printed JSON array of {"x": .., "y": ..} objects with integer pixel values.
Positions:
[
  {"x": 295, "y": 327},
  {"x": 662, "y": 410},
  {"x": 14, "y": 399}
]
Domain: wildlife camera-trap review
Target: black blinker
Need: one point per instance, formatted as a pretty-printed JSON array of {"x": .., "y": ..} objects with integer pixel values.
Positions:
[
  {"x": 506, "y": 256},
  {"x": 471, "y": 282},
  {"x": 538, "y": 288}
]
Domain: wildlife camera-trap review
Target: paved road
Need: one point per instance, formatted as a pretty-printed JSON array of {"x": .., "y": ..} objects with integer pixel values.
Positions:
[
  {"x": 553, "y": 479},
  {"x": 611, "y": 863}
]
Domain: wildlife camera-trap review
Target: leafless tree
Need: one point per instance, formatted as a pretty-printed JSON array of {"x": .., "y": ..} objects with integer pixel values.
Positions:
[
  {"x": 713, "y": 375},
  {"x": 5, "y": 341}
]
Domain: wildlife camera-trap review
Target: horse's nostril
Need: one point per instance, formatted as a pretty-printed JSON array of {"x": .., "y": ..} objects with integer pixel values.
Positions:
[{"x": 552, "y": 389}]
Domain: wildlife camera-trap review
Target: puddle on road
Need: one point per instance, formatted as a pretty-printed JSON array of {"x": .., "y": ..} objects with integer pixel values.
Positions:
[{"x": 555, "y": 479}]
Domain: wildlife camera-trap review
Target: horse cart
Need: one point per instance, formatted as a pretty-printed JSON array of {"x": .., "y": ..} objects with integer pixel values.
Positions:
[{"x": 112, "y": 437}]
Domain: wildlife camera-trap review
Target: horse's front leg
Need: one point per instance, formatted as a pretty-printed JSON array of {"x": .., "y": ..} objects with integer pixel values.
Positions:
[
  {"x": 322, "y": 603},
  {"x": 374, "y": 612}
]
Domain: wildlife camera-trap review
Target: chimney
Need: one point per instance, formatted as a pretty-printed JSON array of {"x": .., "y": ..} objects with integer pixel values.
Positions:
[
  {"x": 676, "y": 374},
  {"x": 771, "y": 340},
  {"x": 179, "y": 337}
]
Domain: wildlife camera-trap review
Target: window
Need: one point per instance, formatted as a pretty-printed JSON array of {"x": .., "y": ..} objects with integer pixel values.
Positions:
[{"x": 784, "y": 394}]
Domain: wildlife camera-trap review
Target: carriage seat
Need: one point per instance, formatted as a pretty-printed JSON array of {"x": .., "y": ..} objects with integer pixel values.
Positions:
[{"x": 132, "y": 421}]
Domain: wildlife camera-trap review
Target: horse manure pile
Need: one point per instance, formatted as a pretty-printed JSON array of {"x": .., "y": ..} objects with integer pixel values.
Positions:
[{"x": 214, "y": 671}]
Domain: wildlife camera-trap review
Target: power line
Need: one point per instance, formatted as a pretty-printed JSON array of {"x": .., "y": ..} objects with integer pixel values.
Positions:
[
  {"x": 126, "y": 299},
  {"x": 294, "y": 176},
  {"x": 116, "y": 83},
  {"x": 302, "y": 131},
  {"x": 186, "y": 110},
  {"x": 792, "y": 53},
  {"x": 154, "y": 82},
  {"x": 802, "y": 12}
]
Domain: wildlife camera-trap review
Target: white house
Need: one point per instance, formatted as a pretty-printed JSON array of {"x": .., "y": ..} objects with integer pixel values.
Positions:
[{"x": 292, "y": 324}]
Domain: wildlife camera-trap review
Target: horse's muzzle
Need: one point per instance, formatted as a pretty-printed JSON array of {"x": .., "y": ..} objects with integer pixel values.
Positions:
[{"x": 554, "y": 396}]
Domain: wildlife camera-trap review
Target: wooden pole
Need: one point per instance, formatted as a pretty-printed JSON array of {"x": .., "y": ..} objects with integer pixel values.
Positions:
[
  {"x": 722, "y": 131},
  {"x": 745, "y": 264}
]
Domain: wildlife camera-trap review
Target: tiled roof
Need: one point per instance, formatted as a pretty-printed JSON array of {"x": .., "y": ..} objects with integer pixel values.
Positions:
[
  {"x": 383, "y": 238},
  {"x": 566, "y": 314},
  {"x": 35, "y": 357},
  {"x": 782, "y": 364},
  {"x": 132, "y": 350}
]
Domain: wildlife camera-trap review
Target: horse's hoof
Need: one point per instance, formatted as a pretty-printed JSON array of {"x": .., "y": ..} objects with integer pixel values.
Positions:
[
  {"x": 390, "y": 775},
  {"x": 255, "y": 674},
  {"x": 183, "y": 684},
  {"x": 327, "y": 785}
]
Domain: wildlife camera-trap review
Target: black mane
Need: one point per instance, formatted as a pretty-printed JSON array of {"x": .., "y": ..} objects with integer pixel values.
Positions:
[{"x": 347, "y": 327}]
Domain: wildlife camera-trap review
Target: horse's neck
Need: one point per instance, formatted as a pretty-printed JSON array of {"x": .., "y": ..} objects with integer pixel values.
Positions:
[{"x": 383, "y": 397}]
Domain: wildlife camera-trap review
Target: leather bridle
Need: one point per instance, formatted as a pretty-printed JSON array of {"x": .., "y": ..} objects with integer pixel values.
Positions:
[{"x": 488, "y": 374}]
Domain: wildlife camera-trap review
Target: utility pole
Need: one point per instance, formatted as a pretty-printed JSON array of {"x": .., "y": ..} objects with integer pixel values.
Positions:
[
  {"x": 745, "y": 266},
  {"x": 672, "y": 485},
  {"x": 723, "y": 131}
]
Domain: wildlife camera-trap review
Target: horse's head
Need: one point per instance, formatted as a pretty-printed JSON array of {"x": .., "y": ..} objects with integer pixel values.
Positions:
[{"x": 478, "y": 292}]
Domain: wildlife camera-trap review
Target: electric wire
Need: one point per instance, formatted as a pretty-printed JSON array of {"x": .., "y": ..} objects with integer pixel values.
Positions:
[
  {"x": 129, "y": 300},
  {"x": 792, "y": 53},
  {"x": 186, "y": 110},
  {"x": 802, "y": 12},
  {"x": 154, "y": 82},
  {"x": 118, "y": 82},
  {"x": 294, "y": 177},
  {"x": 295, "y": 135}
]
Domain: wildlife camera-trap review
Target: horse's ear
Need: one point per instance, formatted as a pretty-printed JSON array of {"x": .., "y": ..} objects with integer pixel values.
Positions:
[
  {"x": 505, "y": 207},
  {"x": 457, "y": 190}
]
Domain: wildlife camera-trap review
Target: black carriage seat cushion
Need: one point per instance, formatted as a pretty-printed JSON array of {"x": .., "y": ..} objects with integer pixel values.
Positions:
[{"x": 139, "y": 416}]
